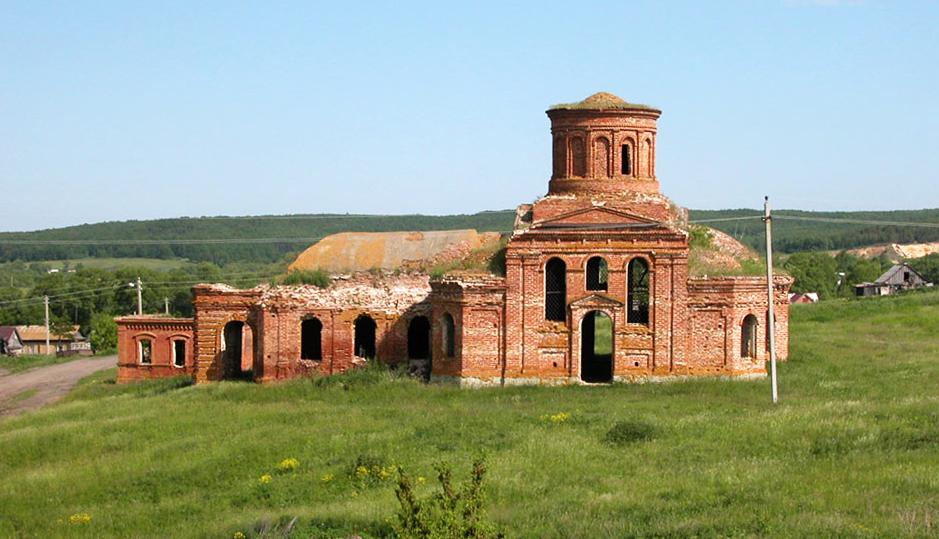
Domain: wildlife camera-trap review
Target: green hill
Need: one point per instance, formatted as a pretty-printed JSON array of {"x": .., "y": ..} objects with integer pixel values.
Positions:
[
  {"x": 851, "y": 450},
  {"x": 146, "y": 239}
]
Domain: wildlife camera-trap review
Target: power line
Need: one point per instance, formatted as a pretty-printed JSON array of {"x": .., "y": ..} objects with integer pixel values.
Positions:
[{"x": 855, "y": 221}]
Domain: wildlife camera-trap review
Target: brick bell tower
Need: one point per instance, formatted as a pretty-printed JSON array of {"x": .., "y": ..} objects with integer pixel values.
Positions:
[{"x": 603, "y": 154}]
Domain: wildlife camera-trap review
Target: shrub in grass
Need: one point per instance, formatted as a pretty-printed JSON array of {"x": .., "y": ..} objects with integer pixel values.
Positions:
[
  {"x": 453, "y": 513},
  {"x": 627, "y": 432}
]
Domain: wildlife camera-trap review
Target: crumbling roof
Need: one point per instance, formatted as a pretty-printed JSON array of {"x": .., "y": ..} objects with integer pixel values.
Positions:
[
  {"x": 602, "y": 101},
  {"x": 362, "y": 251}
]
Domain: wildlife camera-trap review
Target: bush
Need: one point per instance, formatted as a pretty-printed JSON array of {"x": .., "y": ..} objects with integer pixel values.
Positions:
[
  {"x": 317, "y": 277},
  {"x": 627, "y": 432},
  {"x": 454, "y": 513}
]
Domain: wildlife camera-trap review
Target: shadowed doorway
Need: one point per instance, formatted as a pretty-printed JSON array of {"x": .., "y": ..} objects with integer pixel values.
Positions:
[{"x": 596, "y": 348}]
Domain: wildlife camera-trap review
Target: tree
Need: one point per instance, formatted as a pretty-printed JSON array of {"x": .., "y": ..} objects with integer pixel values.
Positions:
[{"x": 103, "y": 333}]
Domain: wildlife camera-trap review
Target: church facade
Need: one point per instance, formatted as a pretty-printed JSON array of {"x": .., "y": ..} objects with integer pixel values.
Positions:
[{"x": 596, "y": 289}]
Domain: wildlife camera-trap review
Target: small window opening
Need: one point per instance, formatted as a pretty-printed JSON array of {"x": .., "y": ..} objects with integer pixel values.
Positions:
[
  {"x": 748, "y": 337},
  {"x": 597, "y": 274},
  {"x": 555, "y": 296},
  {"x": 906, "y": 276},
  {"x": 311, "y": 346},
  {"x": 179, "y": 353},
  {"x": 146, "y": 352},
  {"x": 625, "y": 164},
  {"x": 449, "y": 335}
]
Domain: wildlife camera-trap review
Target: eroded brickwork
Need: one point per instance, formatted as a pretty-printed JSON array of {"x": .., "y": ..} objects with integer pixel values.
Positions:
[{"x": 603, "y": 210}]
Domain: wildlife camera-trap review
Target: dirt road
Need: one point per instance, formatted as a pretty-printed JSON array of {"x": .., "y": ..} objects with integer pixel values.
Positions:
[{"x": 38, "y": 387}]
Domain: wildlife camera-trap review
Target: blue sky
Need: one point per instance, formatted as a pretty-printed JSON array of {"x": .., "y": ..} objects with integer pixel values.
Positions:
[{"x": 113, "y": 111}]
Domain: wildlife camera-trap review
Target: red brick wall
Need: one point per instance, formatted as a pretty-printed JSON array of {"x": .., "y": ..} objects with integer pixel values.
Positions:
[{"x": 161, "y": 332}]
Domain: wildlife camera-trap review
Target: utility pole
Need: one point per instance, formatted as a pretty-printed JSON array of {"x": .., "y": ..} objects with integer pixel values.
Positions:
[
  {"x": 771, "y": 315},
  {"x": 166, "y": 306},
  {"x": 45, "y": 301},
  {"x": 139, "y": 297}
]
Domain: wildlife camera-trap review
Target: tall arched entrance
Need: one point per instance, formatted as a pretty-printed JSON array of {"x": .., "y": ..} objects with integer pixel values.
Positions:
[
  {"x": 365, "y": 337},
  {"x": 596, "y": 348},
  {"x": 235, "y": 364},
  {"x": 419, "y": 347}
]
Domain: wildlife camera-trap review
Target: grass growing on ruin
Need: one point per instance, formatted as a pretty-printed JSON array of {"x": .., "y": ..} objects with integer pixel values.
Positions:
[{"x": 851, "y": 450}]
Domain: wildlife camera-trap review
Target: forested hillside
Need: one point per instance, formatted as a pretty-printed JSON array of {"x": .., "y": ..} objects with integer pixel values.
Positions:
[
  {"x": 794, "y": 235},
  {"x": 280, "y": 235},
  {"x": 296, "y": 232}
]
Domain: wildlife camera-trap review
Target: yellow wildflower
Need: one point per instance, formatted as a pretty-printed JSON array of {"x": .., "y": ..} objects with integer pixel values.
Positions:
[
  {"x": 265, "y": 479},
  {"x": 421, "y": 480},
  {"x": 238, "y": 535},
  {"x": 327, "y": 477},
  {"x": 288, "y": 465},
  {"x": 79, "y": 518},
  {"x": 361, "y": 471}
]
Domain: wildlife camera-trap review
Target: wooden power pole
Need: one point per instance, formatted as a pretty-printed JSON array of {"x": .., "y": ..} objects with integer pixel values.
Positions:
[{"x": 45, "y": 301}]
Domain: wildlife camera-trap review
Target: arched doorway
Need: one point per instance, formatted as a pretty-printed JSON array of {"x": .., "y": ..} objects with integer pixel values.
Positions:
[
  {"x": 596, "y": 348},
  {"x": 233, "y": 362},
  {"x": 419, "y": 347},
  {"x": 311, "y": 339},
  {"x": 365, "y": 337}
]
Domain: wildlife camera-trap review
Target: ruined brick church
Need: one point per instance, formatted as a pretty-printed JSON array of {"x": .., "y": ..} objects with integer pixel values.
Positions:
[{"x": 596, "y": 289}]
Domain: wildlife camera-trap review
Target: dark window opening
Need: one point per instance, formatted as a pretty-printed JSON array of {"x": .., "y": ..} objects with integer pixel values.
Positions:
[
  {"x": 365, "y": 337},
  {"x": 419, "y": 338},
  {"x": 597, "y": 274},
  {"x": 233, "y": 352},
  {"x": 596, "y": 348},
  {"x": 449, "y": 335},
  {"x": 311, "y": 339},
  {"x": 146, "y": 352},
  {"x": 637, "y": 293},
  {"x": 748, "y": 337},
  {"x": 179, "y": 353},
  {"x": 625, "y": 164},
  {"x": 555, "y": 293},
  {"x": 906, "y": 276}
]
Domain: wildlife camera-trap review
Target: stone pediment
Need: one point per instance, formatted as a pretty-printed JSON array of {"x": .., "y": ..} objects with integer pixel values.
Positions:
[
  {"x": 595, "y": 301},
  {"x": 596, "y": 217}
]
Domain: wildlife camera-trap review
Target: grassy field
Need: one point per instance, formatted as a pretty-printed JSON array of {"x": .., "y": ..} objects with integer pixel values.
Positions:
[{"x": 851, "y": 450}]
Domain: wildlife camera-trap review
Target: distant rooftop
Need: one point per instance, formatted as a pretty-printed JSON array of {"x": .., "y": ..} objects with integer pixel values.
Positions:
[{"x": 602, "y": 101}]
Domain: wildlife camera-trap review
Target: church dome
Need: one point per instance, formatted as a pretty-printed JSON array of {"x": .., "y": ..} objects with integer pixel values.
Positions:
[{"x": 602, "y": 101}]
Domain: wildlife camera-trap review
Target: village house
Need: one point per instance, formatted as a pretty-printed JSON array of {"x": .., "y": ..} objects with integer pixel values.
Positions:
[
  {"x": 596, "y": 288},
  {"x": 10, "y": 342},
  {"x": 898, "y": 278},
  {"x": 33, "y": 339}
]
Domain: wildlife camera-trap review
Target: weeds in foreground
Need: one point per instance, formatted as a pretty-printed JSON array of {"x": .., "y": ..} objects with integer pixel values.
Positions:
[{"x": 453, "y": 513}]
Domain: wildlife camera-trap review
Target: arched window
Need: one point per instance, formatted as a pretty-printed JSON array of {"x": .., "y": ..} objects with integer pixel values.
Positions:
[
  {"x": 311, "y": 339},
  {"x": 449, "y": 335},
  {"x": 555, "y": 290},
  {"x": 597, "y": 274},
  {"x": 145, "y": 351},
  {"x": 560, "y": 157},
  {"x": 601, "y": 158},
  {"x": 625, "y": 161},
  {"x": 637, "y": 292},
  {"x": 179, "y": 353},
  {"x": 578, "y": 157},
  {"x": 364, "y": 344},
  {"x": 748, "y": 337}
]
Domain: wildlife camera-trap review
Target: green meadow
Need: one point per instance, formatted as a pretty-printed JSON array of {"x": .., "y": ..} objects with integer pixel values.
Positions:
[{"x": 851, "y": 449}]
